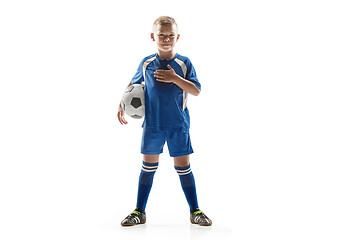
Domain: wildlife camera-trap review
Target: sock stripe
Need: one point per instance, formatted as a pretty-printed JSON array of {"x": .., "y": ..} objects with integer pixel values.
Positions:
[
  {"x": 184, "y": 173},
  {"x": 149, "y": 167},
  {"x": 184, "y": 170},
  {"x": 149, "y": 170}
]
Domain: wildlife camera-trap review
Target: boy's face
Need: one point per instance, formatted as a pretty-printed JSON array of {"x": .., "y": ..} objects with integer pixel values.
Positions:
[{"x": 165, "y": 37}]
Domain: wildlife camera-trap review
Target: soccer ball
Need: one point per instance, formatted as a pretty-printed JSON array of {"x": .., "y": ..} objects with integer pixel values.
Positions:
[{"x": 133, "y": 101}]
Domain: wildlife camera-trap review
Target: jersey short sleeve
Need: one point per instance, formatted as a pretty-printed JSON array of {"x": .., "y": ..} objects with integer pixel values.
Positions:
[
  {"x": 191, "y": 74},
  {"x": 138, "y": 77}
]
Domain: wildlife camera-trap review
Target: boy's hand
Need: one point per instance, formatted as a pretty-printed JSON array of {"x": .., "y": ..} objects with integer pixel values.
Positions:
[
  {"x": 167, "y": 76},
  {"x": 120, "y": 116}
]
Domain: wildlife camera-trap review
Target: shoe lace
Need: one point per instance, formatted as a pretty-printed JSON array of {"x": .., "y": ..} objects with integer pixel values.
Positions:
[
  {"x": 198, "y": 212},
  {"x": 133, "y": 214}
]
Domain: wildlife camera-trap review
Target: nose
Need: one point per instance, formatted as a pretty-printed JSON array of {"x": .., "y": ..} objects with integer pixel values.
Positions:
[{"x": 167, "y": 39}]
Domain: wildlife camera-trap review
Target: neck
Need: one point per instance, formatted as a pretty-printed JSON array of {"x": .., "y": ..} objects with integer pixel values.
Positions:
[{"x": 166, "y": 55}]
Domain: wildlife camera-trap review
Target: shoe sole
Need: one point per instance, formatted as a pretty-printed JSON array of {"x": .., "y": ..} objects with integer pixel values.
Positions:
[
  {"x": 202, "y": 224},
  {"x": 129, "y": 225}
]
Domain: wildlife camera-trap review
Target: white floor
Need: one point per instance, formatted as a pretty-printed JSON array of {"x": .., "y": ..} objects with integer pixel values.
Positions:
[
  {"x": 162, "y": 224},
  {"x": 168, "y": 230}
]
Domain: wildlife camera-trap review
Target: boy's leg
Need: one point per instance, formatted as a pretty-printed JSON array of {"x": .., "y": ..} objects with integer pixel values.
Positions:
[
  {"x": 182, "y": 161},
  {"x": 150, "y": 164},
  {"x": 151, "y": 158},
  {"x": 182, "y": 166}
]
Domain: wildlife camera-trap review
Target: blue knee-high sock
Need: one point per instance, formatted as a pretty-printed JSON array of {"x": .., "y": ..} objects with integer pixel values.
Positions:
[
  {"x": 188, "y": 185},
  {"x": 145, "y": 182}
]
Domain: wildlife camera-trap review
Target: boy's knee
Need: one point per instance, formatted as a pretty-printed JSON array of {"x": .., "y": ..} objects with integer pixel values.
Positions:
[
  {"x": 151, "y": 158},
  {"x": 182, "y": 161}
]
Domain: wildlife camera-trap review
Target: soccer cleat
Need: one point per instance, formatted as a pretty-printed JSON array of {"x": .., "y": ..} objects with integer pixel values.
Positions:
[
  {"x": 199, "y": 217},
  {"x": 134, "y": 218}
]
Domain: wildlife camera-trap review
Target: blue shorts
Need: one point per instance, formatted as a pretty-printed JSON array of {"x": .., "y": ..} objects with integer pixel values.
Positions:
[{"x": 178, "y": 142}]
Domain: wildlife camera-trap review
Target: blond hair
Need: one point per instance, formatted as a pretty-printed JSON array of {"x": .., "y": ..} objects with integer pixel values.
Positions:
[{"x": 164, "y": 20}]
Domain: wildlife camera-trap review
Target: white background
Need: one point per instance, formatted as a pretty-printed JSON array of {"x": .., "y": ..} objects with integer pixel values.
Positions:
[{"x": 275, "y": 130}]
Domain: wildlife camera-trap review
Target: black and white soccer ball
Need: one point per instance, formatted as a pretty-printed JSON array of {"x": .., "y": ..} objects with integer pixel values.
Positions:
[{"x": 133, "y": 101}]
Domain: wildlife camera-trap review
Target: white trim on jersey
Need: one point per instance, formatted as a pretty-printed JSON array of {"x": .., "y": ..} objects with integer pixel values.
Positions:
[
  {"x": 147, "y": 63},
  {"x": 184, "y": 69},
  {"x": 182, "y": 65}
]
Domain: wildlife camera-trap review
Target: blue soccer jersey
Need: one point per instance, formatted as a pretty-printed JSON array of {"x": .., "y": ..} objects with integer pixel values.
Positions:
[{"x": 165, "y": 103}]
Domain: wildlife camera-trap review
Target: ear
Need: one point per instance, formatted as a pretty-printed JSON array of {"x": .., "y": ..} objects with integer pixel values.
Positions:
[
  {"x": 178, "y": 36},
  {"x": 152, "y": 36}
]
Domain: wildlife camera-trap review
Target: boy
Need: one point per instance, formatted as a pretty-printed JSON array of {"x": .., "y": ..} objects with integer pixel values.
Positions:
[{"x": 168, "y": 77}]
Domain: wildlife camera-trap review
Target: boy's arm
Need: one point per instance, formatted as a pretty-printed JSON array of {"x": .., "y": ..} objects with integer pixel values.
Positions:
[
  {"x": 120, "y": 114},
  {"x": 170, "y": 76},
  {"x": 187, "y": 86}
]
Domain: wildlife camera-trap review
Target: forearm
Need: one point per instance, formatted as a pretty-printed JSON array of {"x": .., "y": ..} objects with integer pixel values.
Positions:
[{"x": 187, "y": 86}]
